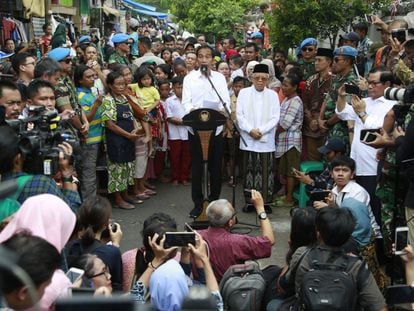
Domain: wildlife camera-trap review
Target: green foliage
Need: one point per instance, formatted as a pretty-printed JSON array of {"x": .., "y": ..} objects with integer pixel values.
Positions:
[
  {"x": 293, "y": 20},
  {"x": 216, "y": 18}
]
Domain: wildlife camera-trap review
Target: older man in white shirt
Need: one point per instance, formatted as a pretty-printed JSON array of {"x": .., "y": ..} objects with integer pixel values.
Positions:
[
  {"x": 199, "y": 93},
  {"x": 368, "y": 113},
  {"x": 258, "y": 112}
]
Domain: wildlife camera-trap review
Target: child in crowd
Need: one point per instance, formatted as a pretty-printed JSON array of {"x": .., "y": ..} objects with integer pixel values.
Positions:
[
  {"x": 161, "y": 148},
  {"x": 149, "y": 99},
  {"x": 232, "y": 141},
  {"x": 236, "y": 64},
  {"x": 180, "y": 68},
  {"x": 178, "y": 135},
  {"x": 163, "y": 72}
]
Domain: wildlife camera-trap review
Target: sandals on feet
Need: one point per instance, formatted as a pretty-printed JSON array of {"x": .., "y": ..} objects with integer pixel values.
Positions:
[{"x": 124, "y": 205}]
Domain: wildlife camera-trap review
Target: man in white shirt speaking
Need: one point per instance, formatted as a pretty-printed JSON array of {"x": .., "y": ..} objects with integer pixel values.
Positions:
[
  {"x": 368, "y": 114},
  {"x": 258, "y": 112},
  {"x": 199, "y": 93}
]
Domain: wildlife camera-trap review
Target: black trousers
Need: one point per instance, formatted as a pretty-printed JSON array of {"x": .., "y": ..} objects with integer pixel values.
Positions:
[
  {"x": 369, "y": 183},
  {"x": 215, "y": 159}
]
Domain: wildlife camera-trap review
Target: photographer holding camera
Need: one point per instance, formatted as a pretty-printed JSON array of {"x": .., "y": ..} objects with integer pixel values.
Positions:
[
  {"x": 368, "y": 114},
  {"x": 11, "y": 167}
]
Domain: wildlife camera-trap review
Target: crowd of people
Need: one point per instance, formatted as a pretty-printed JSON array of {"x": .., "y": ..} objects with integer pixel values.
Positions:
[{"x": 119, "y": 109}]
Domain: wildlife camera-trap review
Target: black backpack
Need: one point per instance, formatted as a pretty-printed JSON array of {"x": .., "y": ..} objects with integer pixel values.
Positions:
[
  {"x": 329, "y": 285},
  {"x": 242, "y": 287}
]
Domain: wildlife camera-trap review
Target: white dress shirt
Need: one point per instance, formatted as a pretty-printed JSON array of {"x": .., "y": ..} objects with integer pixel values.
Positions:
[
  {"x": 197, "y": 89},
  {"x": 357, "y": 192},
  {"x": 264, "y": 118},
  {"x": 175, "y": 109},
  {"x": 364, "y": 155}
]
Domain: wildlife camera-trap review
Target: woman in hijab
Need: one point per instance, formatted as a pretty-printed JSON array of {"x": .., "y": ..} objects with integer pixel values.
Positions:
[
  {"x": 50, "y": 218},
  {"x": 273, "y": 83}
]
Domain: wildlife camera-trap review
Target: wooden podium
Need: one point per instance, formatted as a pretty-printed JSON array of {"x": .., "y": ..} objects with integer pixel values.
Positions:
[{"x": 204, "y": 123}]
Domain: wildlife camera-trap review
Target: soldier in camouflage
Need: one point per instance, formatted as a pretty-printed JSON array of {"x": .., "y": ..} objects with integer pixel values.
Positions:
[
  {"x": 307, "y": 61},
  {"x": 342, "y": 67},
  {"x": 65, "y": 92},
  {"x": 122, "y": 49}
]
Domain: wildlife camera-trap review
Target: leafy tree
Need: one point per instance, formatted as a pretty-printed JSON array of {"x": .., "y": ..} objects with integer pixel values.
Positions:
[
  {"x": 212, "y": 17},
  {"x": 293, "y": 20}
]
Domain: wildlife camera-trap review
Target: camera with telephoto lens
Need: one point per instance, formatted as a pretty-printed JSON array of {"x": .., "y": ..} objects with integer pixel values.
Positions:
[
  {"x": 406, "y": 96},
  {"x": 403, "y": 96},
  {"x": 39, "y": 137}
]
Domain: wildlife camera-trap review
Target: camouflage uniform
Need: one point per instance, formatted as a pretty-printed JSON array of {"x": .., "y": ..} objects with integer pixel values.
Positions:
[
  {"x": 65, "y": 93},
  {"x": 392, "y": 186},
  {"x": 308, "y": 68},
  {"x": 340, "y": 129},
  {"x": 116, "y": 58}
]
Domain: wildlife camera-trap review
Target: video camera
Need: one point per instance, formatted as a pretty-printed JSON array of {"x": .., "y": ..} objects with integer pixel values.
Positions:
[{"x": 39, "y": 137}]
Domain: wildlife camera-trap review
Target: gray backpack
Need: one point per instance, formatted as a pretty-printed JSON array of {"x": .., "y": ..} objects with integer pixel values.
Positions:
[{"x": 242, "y": 287}]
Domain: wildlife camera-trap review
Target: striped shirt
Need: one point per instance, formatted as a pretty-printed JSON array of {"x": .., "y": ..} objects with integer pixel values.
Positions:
[
  {"x": 86, "y": 100},
  {"x": 291, "y": 119}
]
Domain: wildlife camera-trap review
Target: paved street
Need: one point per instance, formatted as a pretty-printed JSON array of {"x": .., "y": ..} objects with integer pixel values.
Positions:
[{"x": 176, "y": 201}]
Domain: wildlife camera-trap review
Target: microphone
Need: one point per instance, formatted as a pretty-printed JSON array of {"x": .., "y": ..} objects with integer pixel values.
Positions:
[{"x": 204, "y": 69}]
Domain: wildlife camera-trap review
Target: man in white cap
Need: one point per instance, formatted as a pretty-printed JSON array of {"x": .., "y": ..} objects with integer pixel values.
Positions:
[{"x": 258, "y": 112}]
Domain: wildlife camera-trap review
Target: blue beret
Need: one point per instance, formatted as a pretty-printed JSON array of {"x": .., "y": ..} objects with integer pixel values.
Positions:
[
  {"x": 120, "y": 37},
  {"x": 85, "y": 39},
  {"x": 346, "y": 50},
  {"x": 59, "y": 54},
  {"x": 256, "y": 34},
  {"x": 308, "y": 41}
]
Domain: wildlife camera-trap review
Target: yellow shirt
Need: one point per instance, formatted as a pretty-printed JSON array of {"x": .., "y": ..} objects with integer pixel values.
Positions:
[{"x": 148, "y": 97}]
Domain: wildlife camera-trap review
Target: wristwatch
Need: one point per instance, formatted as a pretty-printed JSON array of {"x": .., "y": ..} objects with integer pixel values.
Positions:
[
  {"x": 362, "y": 114},
  {"x": 262, "y": 216}
]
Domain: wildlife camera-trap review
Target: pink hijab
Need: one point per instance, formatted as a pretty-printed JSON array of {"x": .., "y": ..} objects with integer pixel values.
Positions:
[{"x": 50, "y": 218}]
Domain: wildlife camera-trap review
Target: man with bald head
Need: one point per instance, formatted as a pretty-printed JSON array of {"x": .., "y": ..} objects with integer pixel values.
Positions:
[{"x": 226, "y": 248}]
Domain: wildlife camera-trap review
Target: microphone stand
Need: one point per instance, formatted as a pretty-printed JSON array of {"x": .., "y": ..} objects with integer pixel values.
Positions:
[{"x": 204, "y": 71}]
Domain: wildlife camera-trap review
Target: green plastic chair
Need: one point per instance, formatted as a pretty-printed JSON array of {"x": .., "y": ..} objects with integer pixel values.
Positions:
[{"x": 300, "y": 192}]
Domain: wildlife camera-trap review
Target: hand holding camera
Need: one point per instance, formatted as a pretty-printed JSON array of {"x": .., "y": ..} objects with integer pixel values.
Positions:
[
  {"x": 160, "y": 253},
  {"x": 115, "y": 233},
  {"x": 65, "y": 157}
]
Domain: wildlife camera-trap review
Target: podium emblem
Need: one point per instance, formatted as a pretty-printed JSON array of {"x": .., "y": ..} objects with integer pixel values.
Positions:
[{"x": 204, "y": 116}]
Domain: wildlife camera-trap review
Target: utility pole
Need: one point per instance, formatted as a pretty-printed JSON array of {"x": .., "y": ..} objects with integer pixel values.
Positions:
[{"x": 47, "y": 9}]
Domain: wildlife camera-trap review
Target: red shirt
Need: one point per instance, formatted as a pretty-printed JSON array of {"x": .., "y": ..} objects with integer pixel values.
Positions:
[{"x": 227, "y": 249}]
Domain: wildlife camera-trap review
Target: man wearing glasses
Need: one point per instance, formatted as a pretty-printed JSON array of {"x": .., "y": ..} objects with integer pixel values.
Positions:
[
  {"x": 342, "y": 67},
  {"x": 367, "y": 113},
  {"x": 308, "y": 53},
  {"x": 258, "y": 112},
  {"x": 122, "y": 50},
  {"x": 65, "y": 92},
  {"x": 24, "y": 64}
]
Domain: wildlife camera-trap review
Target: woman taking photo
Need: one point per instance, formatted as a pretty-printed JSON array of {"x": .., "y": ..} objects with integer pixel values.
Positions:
[{"x": 95, "y": 229}]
